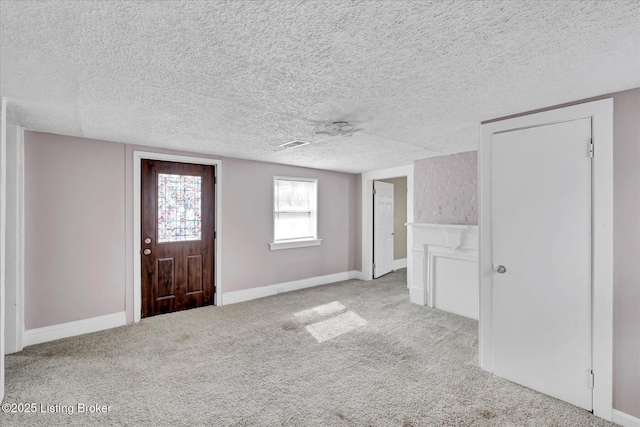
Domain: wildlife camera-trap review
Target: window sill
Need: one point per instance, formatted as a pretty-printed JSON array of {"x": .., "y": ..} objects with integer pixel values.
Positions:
[{"x": 290, "y": 244}]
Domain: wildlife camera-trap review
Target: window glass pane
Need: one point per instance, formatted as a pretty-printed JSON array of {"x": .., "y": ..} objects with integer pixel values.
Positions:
[
  {"x": 294, "y": 195},
  {"x": 179, "y": 208},
  {"x": 294, "y": 209},
  {"x": 292, "y": 225}
]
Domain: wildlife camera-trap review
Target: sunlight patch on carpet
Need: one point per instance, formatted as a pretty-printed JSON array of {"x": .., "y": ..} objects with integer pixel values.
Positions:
[
  {"x": 308, "y": 316},
  {"x": 336, "y": 326}
]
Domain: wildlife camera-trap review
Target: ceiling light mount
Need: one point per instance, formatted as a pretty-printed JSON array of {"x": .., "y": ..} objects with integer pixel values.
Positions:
[{"x": 338, "y": 128}]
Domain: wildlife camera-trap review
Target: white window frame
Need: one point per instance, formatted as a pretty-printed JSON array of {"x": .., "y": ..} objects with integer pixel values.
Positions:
[{"x": 295, "y": 243}]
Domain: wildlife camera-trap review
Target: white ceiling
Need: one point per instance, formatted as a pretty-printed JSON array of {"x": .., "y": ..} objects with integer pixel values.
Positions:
[{"x": 239, "y": 78}]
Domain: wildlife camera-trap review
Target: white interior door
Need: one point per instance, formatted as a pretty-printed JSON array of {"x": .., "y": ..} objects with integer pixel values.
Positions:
[
  {"x": 541, "y": 193},
  {"x": 382, "y": 228}
]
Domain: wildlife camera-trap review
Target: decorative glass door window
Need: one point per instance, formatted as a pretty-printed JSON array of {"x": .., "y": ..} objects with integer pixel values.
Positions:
[{"x": 179, "y": 208}]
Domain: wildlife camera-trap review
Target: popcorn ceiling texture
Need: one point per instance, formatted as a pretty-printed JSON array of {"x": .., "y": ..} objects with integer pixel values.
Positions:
[
  {"x": 239, "y": 78},
  {"x": 446, "y": 189}
]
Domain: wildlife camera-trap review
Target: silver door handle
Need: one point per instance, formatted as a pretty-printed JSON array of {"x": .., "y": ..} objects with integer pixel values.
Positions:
[
  {"x": 501, "y": 269},
  {"x": 146, "y": 251}
]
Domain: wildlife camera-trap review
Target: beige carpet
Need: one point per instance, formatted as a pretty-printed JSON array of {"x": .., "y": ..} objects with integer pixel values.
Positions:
[{"x": 348, "y": 354}]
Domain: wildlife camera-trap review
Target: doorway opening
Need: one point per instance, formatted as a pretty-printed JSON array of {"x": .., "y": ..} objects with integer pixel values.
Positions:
[
  {"x": 178, "y": 236},
  {"x": 190, "y": 264},
  {"x": 404, "y": 173}
]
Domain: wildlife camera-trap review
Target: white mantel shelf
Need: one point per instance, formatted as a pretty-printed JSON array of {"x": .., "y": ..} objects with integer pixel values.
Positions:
[
  {"x": 451, "y": 226},
  {"x": 445, "y": 267}
]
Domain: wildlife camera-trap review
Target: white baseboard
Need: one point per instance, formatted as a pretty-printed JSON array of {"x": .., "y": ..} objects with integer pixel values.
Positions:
[
  {"x": 357, "y": 275},
  {"x": 71, "y": 329},
  {"x": 625, "y": 420},
  {"x": 416, "y": 295},
  {"x": 265, "y": 291},
  {"x": 399, "y": 263}
]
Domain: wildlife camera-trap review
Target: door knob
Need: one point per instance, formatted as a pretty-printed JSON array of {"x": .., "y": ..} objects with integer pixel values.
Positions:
[
  {"x": 147, "y": 240},
  {"x": 501, "y": 269},
  {"x": 146, "y": 251}
]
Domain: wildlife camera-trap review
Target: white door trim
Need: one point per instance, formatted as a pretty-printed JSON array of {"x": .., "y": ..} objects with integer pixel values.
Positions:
[
  {"x": 15, "y": 240},
  {"x": 137, "y": 191},
  {"x": 367, "y": 215},
  {"x": 3, "y": 209},
  {"x": 601, "y": 113}
]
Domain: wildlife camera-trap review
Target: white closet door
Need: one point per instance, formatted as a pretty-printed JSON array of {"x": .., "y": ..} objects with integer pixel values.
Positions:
[
  {"x": 542, "y": 253},
  {"x": 382, "y": 228}
]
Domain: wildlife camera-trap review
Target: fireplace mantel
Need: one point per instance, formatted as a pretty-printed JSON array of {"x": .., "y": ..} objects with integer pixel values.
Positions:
[{"x": 445, "y": 267}]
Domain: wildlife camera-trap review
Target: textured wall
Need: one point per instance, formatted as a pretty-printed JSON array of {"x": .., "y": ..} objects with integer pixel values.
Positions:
[{"x": 446, "y": 189}]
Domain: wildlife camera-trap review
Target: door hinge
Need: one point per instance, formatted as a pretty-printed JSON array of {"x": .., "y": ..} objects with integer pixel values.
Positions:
[
  {"x": 374, "y": 266},
  {"x": 591, "y": 379},
  {"x": 591, "y": 149},
  {"x": 374, "y": 191},
  {"x": 215, "y": 235},
  {"x": 215, "y": 180}
]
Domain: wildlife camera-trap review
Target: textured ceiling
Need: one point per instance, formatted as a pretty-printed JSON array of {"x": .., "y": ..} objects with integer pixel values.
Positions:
[{"x": 239, "y": 78}]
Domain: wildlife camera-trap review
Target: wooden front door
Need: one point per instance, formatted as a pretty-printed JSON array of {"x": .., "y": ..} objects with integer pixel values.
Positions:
[{"x": 178, "y": 212}]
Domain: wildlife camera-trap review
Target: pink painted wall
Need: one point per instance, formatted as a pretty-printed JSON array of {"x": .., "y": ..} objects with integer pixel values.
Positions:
[
  {"x": 356, "y": 220},
  {"x": 446, "y": 189},
  {"x": 247, "y": 225},
  {"x": 626, "y": 252},
  {"x": 79, "y": 224},
  {"x": 74, "y": 226}
]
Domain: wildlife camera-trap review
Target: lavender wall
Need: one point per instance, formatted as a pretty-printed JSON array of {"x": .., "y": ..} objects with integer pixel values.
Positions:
[
  {"x": 247, "y": 226},
  {"x": 79, "y": 225},
  {"x": 356, "y": 220},
  {"x": 626, "y": 252},
  {"x": 74, "y": 229},
  {"x": 446, "y": 189}
]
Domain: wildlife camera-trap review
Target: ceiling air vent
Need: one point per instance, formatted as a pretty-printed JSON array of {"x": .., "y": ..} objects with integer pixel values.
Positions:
[{"x": 294, "y": 144}]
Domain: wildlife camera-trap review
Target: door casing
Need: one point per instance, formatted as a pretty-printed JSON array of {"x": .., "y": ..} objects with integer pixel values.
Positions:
[
  {"x": 366, "y": 207},
  {"x": 137, "y": 191},
  {"x": 601, "y": 113},
  {"x": 188, "y": 279}
]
